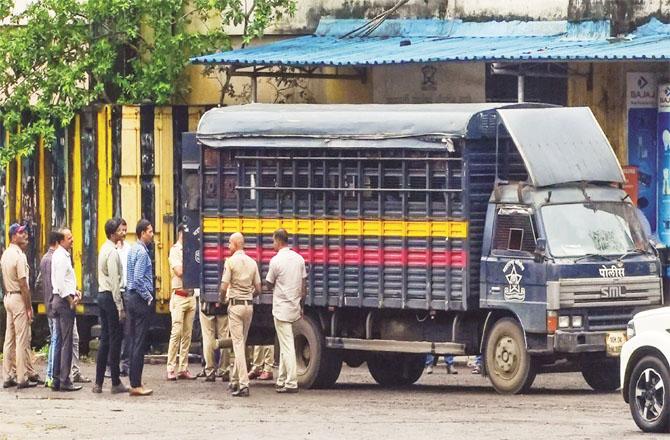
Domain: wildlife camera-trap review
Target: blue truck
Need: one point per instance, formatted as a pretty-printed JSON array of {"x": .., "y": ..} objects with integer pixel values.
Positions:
[{"x": 462, "y": 229}]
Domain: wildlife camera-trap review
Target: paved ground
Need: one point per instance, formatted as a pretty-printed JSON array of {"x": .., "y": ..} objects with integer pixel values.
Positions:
[{"x": 438, "y": 406}]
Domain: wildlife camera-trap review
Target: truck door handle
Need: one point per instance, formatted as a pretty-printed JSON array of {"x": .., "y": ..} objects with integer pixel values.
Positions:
[{"x": 495, "y": 289}]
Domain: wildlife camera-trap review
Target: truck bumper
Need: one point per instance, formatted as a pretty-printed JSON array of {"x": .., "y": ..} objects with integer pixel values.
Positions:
[{"x": 577, "y": 342}]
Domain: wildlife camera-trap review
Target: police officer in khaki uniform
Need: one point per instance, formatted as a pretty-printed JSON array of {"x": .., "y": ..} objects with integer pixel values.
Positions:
[
  {"x": 182, "y": 311},
  {"x": 19, "y": 310},
  {"x": 215, "y": 327},
  {"x": 262, "y": 362},
  {"x": 241, "y": 281}
]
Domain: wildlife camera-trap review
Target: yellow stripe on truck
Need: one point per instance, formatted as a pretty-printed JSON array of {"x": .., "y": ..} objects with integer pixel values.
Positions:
[{"x": 335, "y": 227}]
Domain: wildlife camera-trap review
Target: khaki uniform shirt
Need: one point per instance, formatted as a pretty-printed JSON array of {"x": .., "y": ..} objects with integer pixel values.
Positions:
[
  {"x": 241, "y": 272},
  {"x": 176, "y": 258},
  {"x": 14, "y": 267},
  {"x": 287, "y": 271}
]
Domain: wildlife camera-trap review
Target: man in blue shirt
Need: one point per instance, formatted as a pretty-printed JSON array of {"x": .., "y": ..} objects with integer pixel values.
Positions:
[{"x": 139, "y": 298}]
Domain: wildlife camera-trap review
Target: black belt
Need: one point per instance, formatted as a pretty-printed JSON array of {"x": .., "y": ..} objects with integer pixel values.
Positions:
[
  {"x": 14, "y": 292},
  {"x": 240, "y": 302}
]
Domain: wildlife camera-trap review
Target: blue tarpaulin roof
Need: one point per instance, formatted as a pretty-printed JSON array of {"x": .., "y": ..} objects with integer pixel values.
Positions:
[{"x": 427, "y": 41}]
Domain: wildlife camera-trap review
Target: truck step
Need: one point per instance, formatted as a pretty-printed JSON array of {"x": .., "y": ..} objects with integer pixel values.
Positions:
[{"x": 385, "y": 345}]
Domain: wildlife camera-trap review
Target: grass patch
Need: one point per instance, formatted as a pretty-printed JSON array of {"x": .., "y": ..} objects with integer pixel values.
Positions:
[{"x": 43, "y": 351}]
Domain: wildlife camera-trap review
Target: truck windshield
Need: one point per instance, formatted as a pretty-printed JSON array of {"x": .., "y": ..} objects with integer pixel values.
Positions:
[{"x": 593, "y": 228}]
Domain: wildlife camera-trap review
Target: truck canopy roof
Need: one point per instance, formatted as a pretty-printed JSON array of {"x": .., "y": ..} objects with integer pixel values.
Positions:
[
  {"x": 219, "y": 126},
  {"x": 562, "y": 145},
  {"x": 557, "y": 144}
]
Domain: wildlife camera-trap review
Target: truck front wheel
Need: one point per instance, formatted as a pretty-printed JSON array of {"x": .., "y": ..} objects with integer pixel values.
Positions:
[
  {"x": 602, "y": 376},
  {"x": 396, "y": 370},
  {"x": 508, "y": 363},
  {"x": 318, "y": 366}
]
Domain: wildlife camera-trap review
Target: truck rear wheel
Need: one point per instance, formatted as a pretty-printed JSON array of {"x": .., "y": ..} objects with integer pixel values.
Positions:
[
  {"x": 508, "y": 363},
  {"x": 396, "y": 370},
  {"x": 602, "y": 376},
  {"x": 318, "y": 366}
]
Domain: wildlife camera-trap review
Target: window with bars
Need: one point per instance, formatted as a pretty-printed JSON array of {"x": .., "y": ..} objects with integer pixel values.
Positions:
[
  {"x": 390, "y": 183},
  {"x": 514, "y": 231}
]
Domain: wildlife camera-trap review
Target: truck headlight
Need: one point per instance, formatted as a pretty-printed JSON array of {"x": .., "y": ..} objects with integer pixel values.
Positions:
[
  {"x": 577, "y": 321},
  {"x": 563, "y": 321},
  {"x": 630, "y": 329}
]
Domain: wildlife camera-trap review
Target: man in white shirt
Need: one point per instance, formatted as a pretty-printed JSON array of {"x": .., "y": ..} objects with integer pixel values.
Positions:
[
  {"x": 66, "y": 297},
  {"x": 286, "y": 277}
]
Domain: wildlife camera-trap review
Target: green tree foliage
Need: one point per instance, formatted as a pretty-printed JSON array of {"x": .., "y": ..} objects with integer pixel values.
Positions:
[{"x": 58, "y": 56}]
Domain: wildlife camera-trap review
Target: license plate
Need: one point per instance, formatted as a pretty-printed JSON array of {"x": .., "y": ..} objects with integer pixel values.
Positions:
[{"x": 614, "y": 341}]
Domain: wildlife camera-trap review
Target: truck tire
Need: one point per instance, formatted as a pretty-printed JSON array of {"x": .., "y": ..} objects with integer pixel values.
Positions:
[
  {"x": 396, "y": 370},
  {"x": 648, "y": 396},
  {"x": 318, "y": 366},
  {"x": 602, "y": 376},
  {"x": 508, "y": 363},
  {"x": 85, "y": 324}
]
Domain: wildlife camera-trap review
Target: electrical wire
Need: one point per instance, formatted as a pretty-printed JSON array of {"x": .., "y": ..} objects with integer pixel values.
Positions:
[{"x": 373, "y": 24}]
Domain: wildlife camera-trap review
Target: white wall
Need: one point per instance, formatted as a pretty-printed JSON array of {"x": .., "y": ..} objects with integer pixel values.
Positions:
[
  {"x": 620, "y": 12},
  {"x": 532, "y": 9}
]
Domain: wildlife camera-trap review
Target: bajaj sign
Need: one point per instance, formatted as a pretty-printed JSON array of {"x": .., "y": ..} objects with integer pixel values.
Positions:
[{"x": 664, "y": 97}]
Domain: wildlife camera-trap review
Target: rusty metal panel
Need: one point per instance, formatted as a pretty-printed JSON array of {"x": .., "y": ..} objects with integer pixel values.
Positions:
[
  {"x": 179, "y": 125},
  {"x": 147, "y": 163},
  {"x": 89, "y": 197},
  {"x": 27, "y": 207},
  {"x": 116, "y": 120},
  {"x": 59, "y": 180}
]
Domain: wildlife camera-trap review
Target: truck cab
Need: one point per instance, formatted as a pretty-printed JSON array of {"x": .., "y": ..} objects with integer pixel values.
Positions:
[{"x": 565, "y": 252}]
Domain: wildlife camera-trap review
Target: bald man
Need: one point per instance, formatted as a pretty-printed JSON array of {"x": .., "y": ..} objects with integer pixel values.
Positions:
[{"x": 241, "y": 281}]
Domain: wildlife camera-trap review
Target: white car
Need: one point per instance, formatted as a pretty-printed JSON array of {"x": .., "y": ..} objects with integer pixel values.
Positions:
[{"x": 645, "y": 375}]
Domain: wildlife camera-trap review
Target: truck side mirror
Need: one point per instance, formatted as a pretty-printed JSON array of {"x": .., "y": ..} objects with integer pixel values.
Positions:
[{"x": 540, "y": 249}]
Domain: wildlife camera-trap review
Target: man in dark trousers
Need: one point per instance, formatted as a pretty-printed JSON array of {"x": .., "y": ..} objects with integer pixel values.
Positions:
[
  {"x": 43, "y": 285},
  {"x": 139, "y": 298},
  {"x": 111, "y": 308},
  {"x": 65, "y": 299}
]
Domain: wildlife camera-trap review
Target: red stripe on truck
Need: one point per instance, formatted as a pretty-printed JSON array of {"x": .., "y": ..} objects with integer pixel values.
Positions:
[{"x": 352, "y": 255}]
